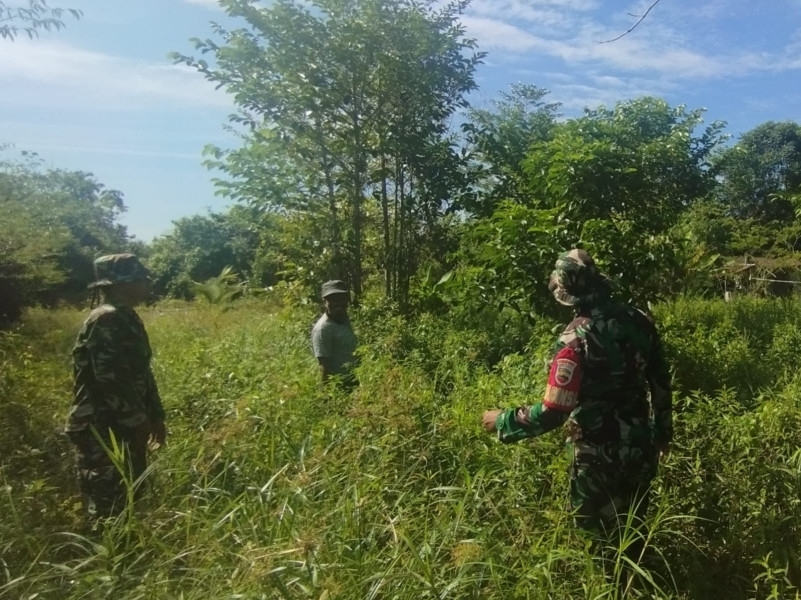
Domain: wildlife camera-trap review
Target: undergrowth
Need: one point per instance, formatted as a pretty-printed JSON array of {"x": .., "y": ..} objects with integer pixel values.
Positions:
[{"x": 270, "y": 487}]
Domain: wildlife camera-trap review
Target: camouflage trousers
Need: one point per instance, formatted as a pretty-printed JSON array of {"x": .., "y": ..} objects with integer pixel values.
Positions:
[
  {"x": 101, "y": 482},
  {"x": 609, "y": 482}
]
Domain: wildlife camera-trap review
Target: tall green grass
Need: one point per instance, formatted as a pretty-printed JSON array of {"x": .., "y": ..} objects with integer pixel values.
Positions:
[{"x": 270, "y": 487}]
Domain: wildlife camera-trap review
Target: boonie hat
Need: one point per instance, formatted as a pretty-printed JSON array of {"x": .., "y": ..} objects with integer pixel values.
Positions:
[
  {"x": 334, "y": 286},
  {"x": 118, "y": 268},
  {"x": 576, "y": 280}
]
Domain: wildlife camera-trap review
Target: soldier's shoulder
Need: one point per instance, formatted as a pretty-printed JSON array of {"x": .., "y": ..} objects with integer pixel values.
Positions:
[
  {"x": 321, "y": 323},
  {"x": 622, "y": 309},
  {"x": 106, "y": 316},
  {"x": 641, "y": 313},
  {"x": 643, "y": 319},
  {"x": 100, "y": 319},
  {"x": 639, "y": 323},
  {"x": 104, "y": 312},
  {"x": 575, "y": 330},
  {"x": 578, "y": 323}
]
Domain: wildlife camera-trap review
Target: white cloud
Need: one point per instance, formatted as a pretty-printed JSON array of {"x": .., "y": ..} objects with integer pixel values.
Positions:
[
  {"x": 709, "y": 10},
  {"x": 577, "y": 5},
  {"x": 45, "y": 73},
  {"x": 659, "y": 49},
  {"x": 637, "y": 54},
  {"x": 631, "y": 54},
  {"x": 495, "y": 34},
  {"x": 517, "y": 9},
  {"x": 115, "y": 149},
  {"x": 599, "y": 89},
  {"x": 792, "y": 51},
  {"x": 556, "y": 76},
  {"x": 540, "y": 15},
  {"x": 207, "y": 3}
]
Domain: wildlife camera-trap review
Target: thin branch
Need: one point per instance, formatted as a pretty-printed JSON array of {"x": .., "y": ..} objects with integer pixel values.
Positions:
[{"x": 633, "y": 27}]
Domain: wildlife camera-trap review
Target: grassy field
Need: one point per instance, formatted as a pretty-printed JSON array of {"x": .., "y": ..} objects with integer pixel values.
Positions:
[{"x": 272, "y": 488}]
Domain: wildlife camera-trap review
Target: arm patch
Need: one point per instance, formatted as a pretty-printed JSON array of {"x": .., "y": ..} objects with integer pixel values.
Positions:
[{"x": 564, "y": 381}]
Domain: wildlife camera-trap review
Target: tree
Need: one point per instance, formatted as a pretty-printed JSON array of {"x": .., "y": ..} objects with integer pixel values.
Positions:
[
  {"x": 30, "y": 20},
  {"x": 499, "y": 139},
  {"x": 508, "y": 256},
  {"x": 616, "y": 182},
  {"x": 53, "y": 223},
  {"x": 347, "y": 103},
  {"x": 200, "y": 247},
  {"x": 640, "y": 161},
  {"x": 761, "y": 173}
]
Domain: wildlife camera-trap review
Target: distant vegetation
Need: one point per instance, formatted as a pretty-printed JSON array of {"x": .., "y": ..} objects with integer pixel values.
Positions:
[
  {"x": 53, "y": 224},
  {"x": 355, "y": 165}
]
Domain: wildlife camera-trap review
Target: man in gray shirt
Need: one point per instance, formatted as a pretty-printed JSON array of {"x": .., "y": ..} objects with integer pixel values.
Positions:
[{"x": 333, "y": 340}]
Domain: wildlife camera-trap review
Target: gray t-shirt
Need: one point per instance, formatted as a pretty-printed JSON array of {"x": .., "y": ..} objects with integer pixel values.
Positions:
[{"x": 334, "y": 341}]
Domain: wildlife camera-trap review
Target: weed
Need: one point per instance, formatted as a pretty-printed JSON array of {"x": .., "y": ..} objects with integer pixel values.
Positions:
[{"x": 269, "y": 488}]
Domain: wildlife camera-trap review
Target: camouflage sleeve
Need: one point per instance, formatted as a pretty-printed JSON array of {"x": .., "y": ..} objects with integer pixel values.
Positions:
[
  {"x": 561, "y": 396},
  {"x": 661, "y": 394},
  {"x": 155, "y": 410},
  {"x": 121, "y": 373},
  {"x": 524, "y": 422}
]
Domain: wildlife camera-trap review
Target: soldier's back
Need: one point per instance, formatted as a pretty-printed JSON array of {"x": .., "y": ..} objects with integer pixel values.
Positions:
[
  {"x": 111, "y": 354},
  {"x": 614, "y": 341}
]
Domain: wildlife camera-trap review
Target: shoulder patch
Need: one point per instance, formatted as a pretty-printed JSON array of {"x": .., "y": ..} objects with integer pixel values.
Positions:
[
  {"x": 564, "y": 381},
  {"x": 564, "y": 371}
]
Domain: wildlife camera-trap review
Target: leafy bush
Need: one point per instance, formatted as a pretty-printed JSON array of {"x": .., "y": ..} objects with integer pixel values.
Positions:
[{"x": 221, "y": 289}]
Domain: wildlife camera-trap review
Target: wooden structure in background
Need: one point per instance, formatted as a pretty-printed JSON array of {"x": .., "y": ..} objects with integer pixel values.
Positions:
[{"x": 761, "y": 276}]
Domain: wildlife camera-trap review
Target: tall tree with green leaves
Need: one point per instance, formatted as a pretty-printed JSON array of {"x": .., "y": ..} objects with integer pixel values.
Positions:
[
  {"x": 498, "y": 139},
  {"x": 762, "y": 172},
  {"x": 53, "y": 223},
  {"x": 642, "y": 161},
  {"x": 615, "y": 182},
  {"x": 345, "y": 105}
]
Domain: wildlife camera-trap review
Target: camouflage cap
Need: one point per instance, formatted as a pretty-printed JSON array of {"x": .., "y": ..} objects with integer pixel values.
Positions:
[
  {"x": 118, "y": 268},
  {"x": 576, "y": 280}
]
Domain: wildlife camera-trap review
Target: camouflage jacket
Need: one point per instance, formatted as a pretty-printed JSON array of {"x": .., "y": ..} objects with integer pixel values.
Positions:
[
  {"x": 606, "y": 362},
  {"x": 114, "y": 385}
]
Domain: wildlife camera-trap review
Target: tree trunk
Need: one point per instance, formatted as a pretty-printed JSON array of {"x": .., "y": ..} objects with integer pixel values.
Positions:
[
  {"x": 385, "y": 215},
  {"x": 356, "y": 206},
  {"x": 336, "y": 241},
  {"x": 408, "y": 246},
  {"x": 396, "y": 229},
  {"x": 400, "y": 265},
  {"x": 336, "y": 235}
]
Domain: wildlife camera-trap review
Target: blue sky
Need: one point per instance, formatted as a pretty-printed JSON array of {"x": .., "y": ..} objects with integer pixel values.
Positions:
[{"x": 101, "y": 95}]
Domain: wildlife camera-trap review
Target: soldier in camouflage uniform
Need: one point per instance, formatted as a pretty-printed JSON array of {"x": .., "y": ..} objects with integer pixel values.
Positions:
[
  {"x": 607, "y": 361},
  {"x": 114, "y": 390}
]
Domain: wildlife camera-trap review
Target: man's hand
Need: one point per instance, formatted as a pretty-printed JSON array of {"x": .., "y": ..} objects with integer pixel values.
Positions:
[
  {"x": 141, "y": 434},
  {"x": 326, "y": 368},
  {"x": 158, "y": 434},
  {"x": 662, "y": 450},
  {"x": 489, "y": 418}
]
